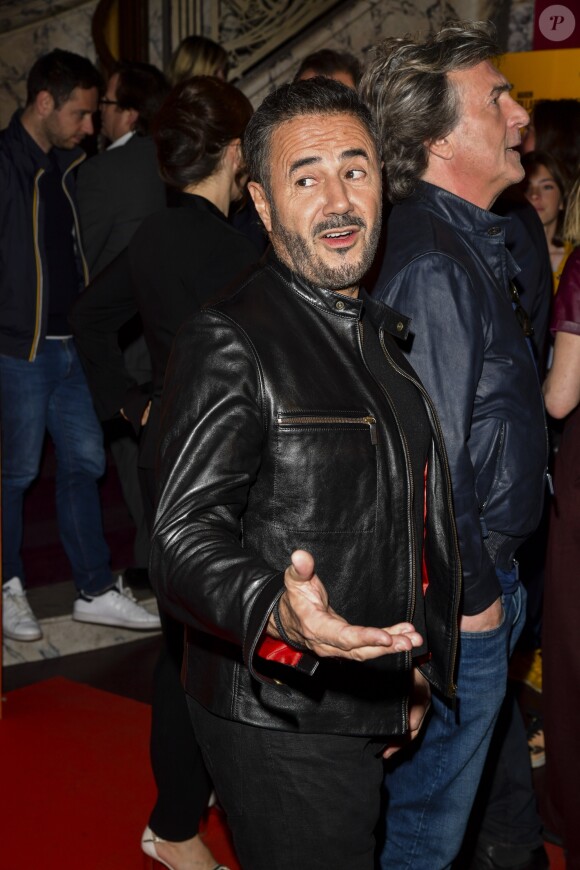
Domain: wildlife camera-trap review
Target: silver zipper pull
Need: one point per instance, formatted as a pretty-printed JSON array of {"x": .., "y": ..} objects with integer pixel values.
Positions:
[{"x": 372, "y": 424}]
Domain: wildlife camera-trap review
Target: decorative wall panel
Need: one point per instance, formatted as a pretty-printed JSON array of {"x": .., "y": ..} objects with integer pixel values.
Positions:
[
  {"x": 249, "y": 30},
  {"x": 29, "y": 28},
  {"x": 358, "y": 26}
]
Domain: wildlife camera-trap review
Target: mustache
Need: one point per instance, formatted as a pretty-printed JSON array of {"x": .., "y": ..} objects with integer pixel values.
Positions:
[{"x": 335, "y": 223}]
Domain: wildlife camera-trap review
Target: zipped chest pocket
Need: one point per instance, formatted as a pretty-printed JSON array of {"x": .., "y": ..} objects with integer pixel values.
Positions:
[
  {"x": 316, "y": 420},
  {"x": 325, "y": 471}
]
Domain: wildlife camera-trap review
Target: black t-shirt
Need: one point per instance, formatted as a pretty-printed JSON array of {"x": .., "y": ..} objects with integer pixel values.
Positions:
[{"x": 59, "y": 244}]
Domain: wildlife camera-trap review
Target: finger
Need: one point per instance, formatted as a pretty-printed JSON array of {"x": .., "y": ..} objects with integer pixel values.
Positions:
[
  {"x": 335, "y": 636},
  {"x": 406, "y": 640},
  {"x": 399, "y": 628},
  {"x": 359, "y": 653},
  {"x": 302, "y": 566},
  {"x": 417, "y": 717},
  {"x": 405, "y": 630},
  {"x": 391, "y": 749}
]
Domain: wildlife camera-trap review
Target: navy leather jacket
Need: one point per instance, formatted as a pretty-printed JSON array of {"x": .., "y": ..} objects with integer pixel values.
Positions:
[
  {"x": 275, "y": 436},
  {"x": 446, "y": 267},
  {"x": 23, "y": 272}
]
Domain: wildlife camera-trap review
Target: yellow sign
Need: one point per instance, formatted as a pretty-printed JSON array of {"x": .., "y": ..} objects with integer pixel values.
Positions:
[{"x": 542, "y": 75}]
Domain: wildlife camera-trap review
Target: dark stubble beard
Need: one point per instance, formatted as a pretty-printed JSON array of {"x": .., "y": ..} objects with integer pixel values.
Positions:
[{"x": 306, "y": 262}]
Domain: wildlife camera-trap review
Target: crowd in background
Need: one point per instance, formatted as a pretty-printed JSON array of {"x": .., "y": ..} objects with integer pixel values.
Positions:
[{"x": 165, "y": 222}]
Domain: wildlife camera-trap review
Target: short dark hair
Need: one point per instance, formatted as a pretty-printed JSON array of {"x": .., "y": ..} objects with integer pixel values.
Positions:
[
  {"x": 326, "y": 62},
  {"x": 317, "y": 96},
  {"x": 59, "y": 72},
  {"x": 141, "y": 87},
  {"x": 408, "y": 89},
  {"x": 197, "y": 120},
  {"x": 557, "y": 127}
]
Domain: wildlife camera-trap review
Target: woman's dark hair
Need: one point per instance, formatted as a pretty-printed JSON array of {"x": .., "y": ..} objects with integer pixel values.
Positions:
[
  {"x": 195, "y": 123},
  {"x": 531, "y": 162},
  {"x": 556, "y": 125}
]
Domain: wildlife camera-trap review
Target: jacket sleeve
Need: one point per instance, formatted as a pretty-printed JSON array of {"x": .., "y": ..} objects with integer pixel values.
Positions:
[
  {"x": 212, "y": 433},
  {"x": 94, "y": 198},
  {"x": 96, "y": 318},
  {"x": 526, "y": 241},
  {"x": 447, "y": 350}
]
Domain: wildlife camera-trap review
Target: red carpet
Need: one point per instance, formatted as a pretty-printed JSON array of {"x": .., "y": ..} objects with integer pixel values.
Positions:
[{"x": 76, "y": 784}]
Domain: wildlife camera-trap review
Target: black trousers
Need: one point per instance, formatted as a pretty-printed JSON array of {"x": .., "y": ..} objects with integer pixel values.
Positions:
[
  {"x": 308, "y": 801},
  {"x": 183, "y": 785}
]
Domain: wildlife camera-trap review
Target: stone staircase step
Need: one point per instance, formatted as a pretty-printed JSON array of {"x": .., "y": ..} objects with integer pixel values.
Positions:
[{"x": 52, "y": 606}]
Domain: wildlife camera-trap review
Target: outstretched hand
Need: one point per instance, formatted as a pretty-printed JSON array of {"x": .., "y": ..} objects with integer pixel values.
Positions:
[{"x": 308, "y": 619}]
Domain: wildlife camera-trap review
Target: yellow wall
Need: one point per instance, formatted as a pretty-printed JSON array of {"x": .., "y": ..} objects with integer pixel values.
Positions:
[{"x": 542, "y": 75}]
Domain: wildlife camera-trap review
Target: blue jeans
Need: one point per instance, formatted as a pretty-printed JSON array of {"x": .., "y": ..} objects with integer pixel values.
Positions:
[
  {"x": 431, "y": 788},
  {"x": 52, "y": 393}
]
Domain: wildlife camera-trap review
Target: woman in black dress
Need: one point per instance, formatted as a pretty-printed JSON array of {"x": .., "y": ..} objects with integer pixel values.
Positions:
[{"x": 177, "y": 259}]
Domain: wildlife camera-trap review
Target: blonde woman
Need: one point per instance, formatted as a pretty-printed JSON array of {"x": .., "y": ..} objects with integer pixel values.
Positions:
[{"x": 197, "y": 56}]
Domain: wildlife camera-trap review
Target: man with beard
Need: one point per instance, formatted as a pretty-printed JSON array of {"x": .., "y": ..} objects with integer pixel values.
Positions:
[{"x": 304, "y": 533}]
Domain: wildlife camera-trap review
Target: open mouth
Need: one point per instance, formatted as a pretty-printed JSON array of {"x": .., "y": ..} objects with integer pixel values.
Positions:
[{"x": 340, "y": 238}]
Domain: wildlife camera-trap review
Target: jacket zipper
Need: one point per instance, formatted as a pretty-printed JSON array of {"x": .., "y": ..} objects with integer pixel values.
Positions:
[
  {"x": 410, "y": 486},
  {"x": 37, "y": 257},
  {"x": 39, "y": 277},
  {"x": 305, "y": 420},
  {"x": 452, "y": 688}
]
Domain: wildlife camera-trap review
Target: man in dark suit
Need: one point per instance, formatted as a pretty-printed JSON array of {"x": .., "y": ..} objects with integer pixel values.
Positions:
[
  {"x": 121, "y": 186},
  {"x": 116, "y": 190}
]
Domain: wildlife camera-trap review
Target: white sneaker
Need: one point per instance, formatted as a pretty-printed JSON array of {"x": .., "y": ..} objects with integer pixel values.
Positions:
[
  {"x": 118, "y": 606},
  {"x": 18, "y": 620}
]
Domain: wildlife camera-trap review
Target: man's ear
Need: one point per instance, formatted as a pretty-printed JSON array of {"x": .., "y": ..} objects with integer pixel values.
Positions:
[
  {"x": 133, "y": 117},
  {"x": 258, "y": 194},
  {"x": 44, "y": 103},
  {"x": 442, "y": 148}
]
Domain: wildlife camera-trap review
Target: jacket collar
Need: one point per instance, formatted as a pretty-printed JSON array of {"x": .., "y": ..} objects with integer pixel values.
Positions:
[
  {"x": 461, "y": 214},
  {"x": 337, "y": 303},
  {"x": 193, "y": 200},
  {"x": 466, "y": 218}
]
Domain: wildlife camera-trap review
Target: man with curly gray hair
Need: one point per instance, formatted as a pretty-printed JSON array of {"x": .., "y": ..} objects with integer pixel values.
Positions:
[{"x": 449, "y": 131}]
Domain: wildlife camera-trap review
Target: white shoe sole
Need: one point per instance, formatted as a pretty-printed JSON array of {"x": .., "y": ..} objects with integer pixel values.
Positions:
[
  {"x": 115, "y": 623},
  {"x": 11, "y": 635}
]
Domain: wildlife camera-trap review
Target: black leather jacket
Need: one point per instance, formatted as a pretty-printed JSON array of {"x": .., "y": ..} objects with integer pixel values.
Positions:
[
  {"x": 447, "y": 268},
  {"x": 275, "y": 436}
]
